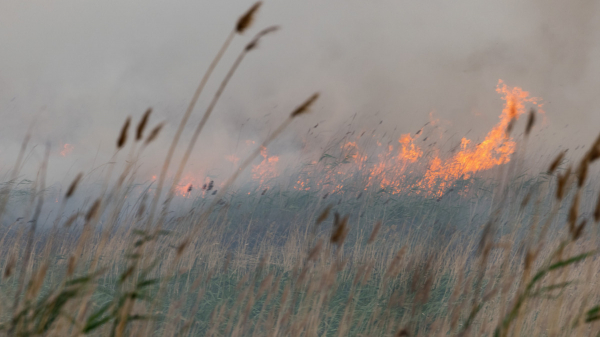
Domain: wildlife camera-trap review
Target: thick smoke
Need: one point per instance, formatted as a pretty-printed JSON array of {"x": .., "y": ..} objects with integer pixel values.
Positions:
[{"x": 75, "y": 70}]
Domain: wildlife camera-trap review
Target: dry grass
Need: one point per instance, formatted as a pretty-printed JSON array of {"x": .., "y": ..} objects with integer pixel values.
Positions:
[{"x": 281, "y": 265}]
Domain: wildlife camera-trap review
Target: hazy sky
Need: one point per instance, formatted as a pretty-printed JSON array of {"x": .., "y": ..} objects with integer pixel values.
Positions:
[{"x": 80, "y": 67}]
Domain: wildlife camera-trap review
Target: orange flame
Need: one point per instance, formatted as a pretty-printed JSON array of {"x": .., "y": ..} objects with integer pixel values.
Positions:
[
  {"x": 496, "y": 148},
  {"x": 392, "y": 166},
  {"x": 409, "y": 152},
  {"x": 266, "y": 170}
]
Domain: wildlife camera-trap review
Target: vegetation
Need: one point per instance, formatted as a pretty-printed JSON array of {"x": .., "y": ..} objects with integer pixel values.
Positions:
[{"x": 507, "y": 254}]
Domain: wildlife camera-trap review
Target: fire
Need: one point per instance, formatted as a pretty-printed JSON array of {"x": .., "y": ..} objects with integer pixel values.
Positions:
[
  {"x": 191, "y": 183},
  {"x": 409, "y": 152},
  {"x": 496, "y": 149},
  {"x": 391, "y": 168},
  {"x": 66, "y": 150},
  {"x": 391, "y": 165},
  {"x": 400, "y": 166},
  {"x": 266, "y": 170}
]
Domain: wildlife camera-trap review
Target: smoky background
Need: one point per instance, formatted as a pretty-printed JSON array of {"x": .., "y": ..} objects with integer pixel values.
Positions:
[{"x": 75, "y": 70}]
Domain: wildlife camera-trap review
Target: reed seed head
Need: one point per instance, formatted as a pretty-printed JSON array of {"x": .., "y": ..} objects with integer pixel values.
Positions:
[
  {"x": 305, "y": 106},
  {"x": 530, "y": 122},
  {"x": 73, "y": 186},
  {"x": 594, "y": 152},
  {"x": 142, "y": 125},
  {"x": 93, "y": 210},
  {"x": 154, "y": 133},
  {"x": 9, "y": 267},
  {"x": 323, "y": 216},
  {"x": 123, "y": 136},
  {"x": 579, "y": 229},
  {"x": 245, "y": 21},
  {"x": 562, "y": 182},
  {"x": 71, "y": 219},
  {"x": 582, "y": 171},
  {"x": 340, "y": 231},
  {"x": 510, "y": 126},
  {"x": 556, "y": 162}
]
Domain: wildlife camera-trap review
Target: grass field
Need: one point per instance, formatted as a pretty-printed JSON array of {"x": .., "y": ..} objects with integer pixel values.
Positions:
[{"x": 360, "y": 242}]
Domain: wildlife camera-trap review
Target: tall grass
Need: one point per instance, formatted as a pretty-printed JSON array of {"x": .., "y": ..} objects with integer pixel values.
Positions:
[{"x": 511, "y": 254}]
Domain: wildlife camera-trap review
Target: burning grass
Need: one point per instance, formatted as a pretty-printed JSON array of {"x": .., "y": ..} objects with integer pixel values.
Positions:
[{"x": 401, "y": 241}]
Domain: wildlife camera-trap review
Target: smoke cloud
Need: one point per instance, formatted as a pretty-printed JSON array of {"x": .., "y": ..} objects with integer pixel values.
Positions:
[{"x": 74, "y": 71}]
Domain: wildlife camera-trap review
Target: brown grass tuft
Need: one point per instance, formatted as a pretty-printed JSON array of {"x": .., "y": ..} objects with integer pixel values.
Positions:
[
  {"x": 340, "y": 230},
  {"x": 93, "y": 210},
  {"x": 323, "y": 216},
  {"x": 71, "y": 219},
  {"x": 142, "y": 125},
  {"x": 123, "y": 136},
  {"x": 73, "y": 186},
  {"x": 9, "y": 266},
  {"x": 556, "y": 162},
  {"x": 245, "y": 21},
  {"x": 154, "y": 133},
  {"x": 562, "y": 182},
  {"x": 530, "y": 122},
  {"x": 305, "y": 106}
]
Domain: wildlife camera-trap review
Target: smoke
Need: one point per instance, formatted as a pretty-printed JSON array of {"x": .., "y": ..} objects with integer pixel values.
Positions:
[{"x": 75, "y": 71}]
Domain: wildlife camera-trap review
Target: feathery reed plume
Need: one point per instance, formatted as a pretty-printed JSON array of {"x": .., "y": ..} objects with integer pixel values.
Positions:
[
  {"x": 340, "y": 230},
  {"x": 510, "y": 126},
  {"x": 73, "y": 186},
  {"x": 9, "y": 266},
  {"x": 530, "y": 122},
  {"x": 205, "y": 117},
  {"x": 142, "y": 125},
  {"x": 305, "y": 106},
  {"x": 556, "y": 162},
  {"x": 323, "y": 215},
  {"x": 582, "y": 171},
  {"x": 579, "y": 229},
  {"x": 594, "y": 152},
  {"x": 70, "y": 220},
  {"x": 123, "y": 135},
  {"x": 154, "y": 133},
  {"x": 245, "y": 21},
  {"x": 93, "y": 210}
]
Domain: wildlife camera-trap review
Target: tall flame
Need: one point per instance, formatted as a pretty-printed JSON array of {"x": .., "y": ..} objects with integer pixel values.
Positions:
[{"x": 495, "y": 149}]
